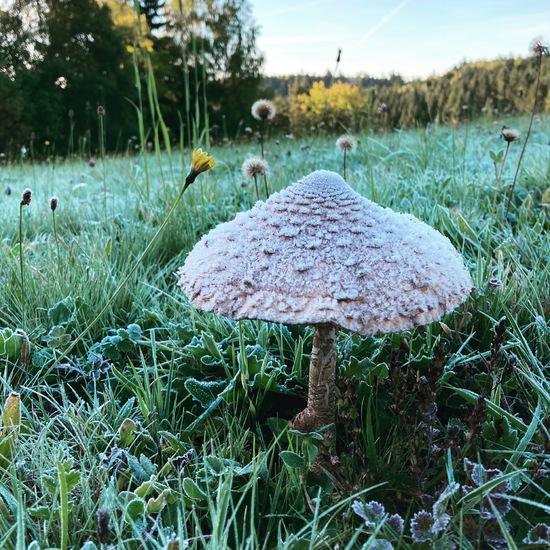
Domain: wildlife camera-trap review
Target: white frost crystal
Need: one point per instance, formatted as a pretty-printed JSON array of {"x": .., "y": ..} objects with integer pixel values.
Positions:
[{"x": 320, "y": 253}]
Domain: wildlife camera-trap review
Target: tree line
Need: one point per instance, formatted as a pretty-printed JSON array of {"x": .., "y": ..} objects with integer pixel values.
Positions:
[
  {"x": 488, "y": 90},
  {"x": 77, "y": 77}
]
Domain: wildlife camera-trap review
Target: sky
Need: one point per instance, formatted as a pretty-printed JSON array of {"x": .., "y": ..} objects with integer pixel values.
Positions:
[{"x": 413, "y": 38}]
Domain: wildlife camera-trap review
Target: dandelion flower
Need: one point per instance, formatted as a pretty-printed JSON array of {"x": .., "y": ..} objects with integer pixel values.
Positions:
[
  {"x": 346, "y": 143},
  {"x": 26, "y": 197},
  {"x": 509, "y": 134},
  {"x": 263, "y": 109},
  {"x": 201, "y": 162},
  {"x": 254, "y": 166}
]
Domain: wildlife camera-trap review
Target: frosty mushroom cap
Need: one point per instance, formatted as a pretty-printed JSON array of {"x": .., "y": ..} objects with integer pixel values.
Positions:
[{"x": 317, "y": 253}]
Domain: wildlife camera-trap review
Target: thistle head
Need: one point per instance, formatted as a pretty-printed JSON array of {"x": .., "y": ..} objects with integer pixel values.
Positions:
[
  {"x": 26, "y": 197},
  {"x": 254, "y": 166},
  {"x": 263, "y": 109},
  {"x": 346, "y": 143}
]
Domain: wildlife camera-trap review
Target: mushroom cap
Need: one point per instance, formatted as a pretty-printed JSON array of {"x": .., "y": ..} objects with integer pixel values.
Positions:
[{"x": 319, "y": 253}]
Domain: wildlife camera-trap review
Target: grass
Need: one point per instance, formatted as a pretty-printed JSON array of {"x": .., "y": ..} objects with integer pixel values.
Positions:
[{"x": 174, "y": 423}]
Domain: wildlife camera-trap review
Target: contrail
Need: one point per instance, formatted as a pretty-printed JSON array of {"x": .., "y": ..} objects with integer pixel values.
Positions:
[{"x": 382, "y": 22}]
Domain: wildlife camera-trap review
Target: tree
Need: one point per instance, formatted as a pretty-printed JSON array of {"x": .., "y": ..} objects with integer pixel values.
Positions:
[
  {"x": 85, "y": 64},
  {"x": 217, "y": 41}
]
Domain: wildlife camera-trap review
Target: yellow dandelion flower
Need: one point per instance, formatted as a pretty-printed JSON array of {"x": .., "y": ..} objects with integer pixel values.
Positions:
[{"x": 201, "y": 162}]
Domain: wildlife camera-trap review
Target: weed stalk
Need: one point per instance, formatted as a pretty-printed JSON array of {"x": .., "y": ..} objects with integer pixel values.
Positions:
[{"x": 539, "y": 50}]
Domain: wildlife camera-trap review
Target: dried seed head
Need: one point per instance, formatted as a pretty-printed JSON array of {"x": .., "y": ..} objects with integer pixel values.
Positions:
[
  {"x": 509, "y": 134},
  {"x": 263, "y": 109},
  {"x": 101, "y": 110},
  {"x": 26, "y": 197},
  {"x": 71, "y": 113},
  {"x": 346, "y": 143},
  {"x": 254, "y": 167},
  {"x": 103, "y": 529},
  {"x": 53, "y": 203},
  {"x": 539, "y": 49},
  {"x": 25, "y": 346}
]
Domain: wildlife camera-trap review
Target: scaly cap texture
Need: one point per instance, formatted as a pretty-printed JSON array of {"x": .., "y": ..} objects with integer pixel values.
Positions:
[{"x": 320, "y": 253}]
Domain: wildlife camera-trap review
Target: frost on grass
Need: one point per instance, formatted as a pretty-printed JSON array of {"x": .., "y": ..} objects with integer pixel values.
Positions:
[{"x": 320, "y": 253}]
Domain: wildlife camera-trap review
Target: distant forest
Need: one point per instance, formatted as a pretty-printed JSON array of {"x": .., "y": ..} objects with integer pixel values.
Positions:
[
  {"x": 484, "y": 89},
  {"x": 76, "y": 77}
]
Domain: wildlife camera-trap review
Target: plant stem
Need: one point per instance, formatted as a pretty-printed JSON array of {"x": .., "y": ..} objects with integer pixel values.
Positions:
[
  {"x": 344, "y": 164},
  {"x": 256, "y": 186},
  {"x": 21, "y": 269},
  {"x": 262, "y": 129},
  {"x": 56, "y": 245},
  {"x": 265, "y": 187},
  {"x": 539, "y": 60},
  {"x": 493, "y": 208},
  {"x": 64, "y": 505}
]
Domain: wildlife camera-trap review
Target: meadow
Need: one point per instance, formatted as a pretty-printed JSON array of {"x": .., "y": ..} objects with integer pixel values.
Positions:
[{"x": 161, "y": 426}]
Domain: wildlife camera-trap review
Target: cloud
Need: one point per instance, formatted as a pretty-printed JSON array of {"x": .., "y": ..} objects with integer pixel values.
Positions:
[{"x": 382, "y": 22}]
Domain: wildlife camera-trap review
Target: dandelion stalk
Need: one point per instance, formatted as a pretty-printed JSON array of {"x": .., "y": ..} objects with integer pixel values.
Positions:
[
  {"x": 200, "y": 162},
  {"x": 53, "y": 206},
  {"x": 346, "y": 144},
  {"x": 254, "y": 167},
  {"x": 25, "y": 201},
  {"x": 508, "y": 135},
  {"x": 101, "y": 115},
  {"x": 71, "y": 133},
  {"x": 539, "y": 50},
  {"x": 263, "y": 110}
]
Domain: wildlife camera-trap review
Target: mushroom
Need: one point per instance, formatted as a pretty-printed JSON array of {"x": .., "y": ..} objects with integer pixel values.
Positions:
[{"x": 320, "y": 254}]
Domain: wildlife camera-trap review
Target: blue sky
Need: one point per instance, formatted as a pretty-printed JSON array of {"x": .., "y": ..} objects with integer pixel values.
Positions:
[{"x": 414, "y": 38}]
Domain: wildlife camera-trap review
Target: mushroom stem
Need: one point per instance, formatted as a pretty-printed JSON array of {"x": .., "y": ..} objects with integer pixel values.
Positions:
[{"x": 321, "y": 399}]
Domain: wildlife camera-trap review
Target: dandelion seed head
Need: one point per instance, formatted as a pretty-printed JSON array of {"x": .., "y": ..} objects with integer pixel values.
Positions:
[
  {"x": 26, "y": 197},
  {"x": 101, "y": 110},
  {"x": 509, "y": 134},
  {"x": 539, "y": 48},
  {"x": 254, "y": 166},
  {"x": 346, "y": 143},
  {"x": 263, "y": 109}
]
